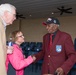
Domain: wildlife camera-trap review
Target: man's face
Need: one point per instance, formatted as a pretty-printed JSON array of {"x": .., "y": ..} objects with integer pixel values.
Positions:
[
  {"x": 10, "y": 17},
  {"x": 51, "y": 28}
]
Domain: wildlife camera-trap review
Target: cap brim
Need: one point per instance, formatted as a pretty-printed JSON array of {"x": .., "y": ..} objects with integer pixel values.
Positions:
[{"x": 44, "y": 23}]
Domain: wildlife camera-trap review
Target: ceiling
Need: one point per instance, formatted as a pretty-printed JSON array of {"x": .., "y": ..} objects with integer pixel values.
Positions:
[{"x": 42, "y": 8}]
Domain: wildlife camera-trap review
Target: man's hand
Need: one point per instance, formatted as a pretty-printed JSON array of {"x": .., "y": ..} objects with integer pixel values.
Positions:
[
  {"x": 59, "y": 71},
  {"x": 34, "y": 58},
  {"x": 9, "y": 49}
]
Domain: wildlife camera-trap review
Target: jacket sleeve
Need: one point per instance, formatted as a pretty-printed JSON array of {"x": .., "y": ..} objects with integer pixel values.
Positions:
[
  {"x": 6, "y": 63},
  {"x": 70, "y": 53},
  {"x": 18, "y": 62},
  {"x": 40, "y": 55}
]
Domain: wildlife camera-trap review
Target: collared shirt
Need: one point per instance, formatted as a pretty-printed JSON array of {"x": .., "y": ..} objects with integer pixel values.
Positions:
[{"x": 54, "y": 34}]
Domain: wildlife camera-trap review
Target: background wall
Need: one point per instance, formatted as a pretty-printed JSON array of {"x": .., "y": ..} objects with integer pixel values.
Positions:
[{"x": 34, "y": 30}]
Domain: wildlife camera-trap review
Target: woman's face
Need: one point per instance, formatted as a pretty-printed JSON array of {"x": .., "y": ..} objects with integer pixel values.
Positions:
[{"x": 20, "y": 38}]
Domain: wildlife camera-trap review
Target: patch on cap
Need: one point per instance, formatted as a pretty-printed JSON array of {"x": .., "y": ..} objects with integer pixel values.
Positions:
[
  {"x": 49, "y": 19},
  {"x": 54, "y": 21}
]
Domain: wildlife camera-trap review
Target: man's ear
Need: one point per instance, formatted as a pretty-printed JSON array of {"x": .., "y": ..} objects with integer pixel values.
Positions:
[{"x": 56, "y": 27}]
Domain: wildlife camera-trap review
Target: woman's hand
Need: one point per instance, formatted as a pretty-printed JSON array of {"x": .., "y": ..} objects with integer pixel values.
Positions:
[{"x": 9, "y": 49}]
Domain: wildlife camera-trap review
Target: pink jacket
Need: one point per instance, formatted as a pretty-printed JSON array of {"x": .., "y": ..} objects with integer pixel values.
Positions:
[{"x": 17, "y": 60}]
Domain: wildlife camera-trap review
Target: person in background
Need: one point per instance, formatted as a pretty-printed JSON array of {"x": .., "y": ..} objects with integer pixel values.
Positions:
[
  {"x": 75, "y": 44},
  {"x": 58, "y": 51},
  {"x": 17, "y": 59},
  {"x": 7, "y": 16}
]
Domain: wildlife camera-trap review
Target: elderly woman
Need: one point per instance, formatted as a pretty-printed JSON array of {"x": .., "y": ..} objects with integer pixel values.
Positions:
[{"x": 17, "y": 59}]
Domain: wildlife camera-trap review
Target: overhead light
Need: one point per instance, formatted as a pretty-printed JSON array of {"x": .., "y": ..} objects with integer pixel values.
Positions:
[
  {"x": 52, "y": 13},
  {"x": 30, "y": 15}
]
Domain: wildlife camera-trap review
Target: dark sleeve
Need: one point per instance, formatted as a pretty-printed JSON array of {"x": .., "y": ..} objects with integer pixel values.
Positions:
[{"x": 75, "y": 43}]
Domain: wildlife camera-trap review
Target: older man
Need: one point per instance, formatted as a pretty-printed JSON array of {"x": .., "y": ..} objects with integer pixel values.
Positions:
[
  {"x": 58, "y": 50},
  {"x": 7, "y": 16}
]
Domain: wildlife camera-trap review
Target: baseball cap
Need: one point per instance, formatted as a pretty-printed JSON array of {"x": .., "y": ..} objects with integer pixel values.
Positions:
[{"x": 51, "y": 20}]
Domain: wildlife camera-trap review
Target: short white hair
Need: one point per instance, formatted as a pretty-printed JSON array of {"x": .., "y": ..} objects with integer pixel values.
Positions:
[{"x": 6, "y": 7}]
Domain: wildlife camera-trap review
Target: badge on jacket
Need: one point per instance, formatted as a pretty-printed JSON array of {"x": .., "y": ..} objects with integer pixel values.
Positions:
[{"x": 58, "y": 48}]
